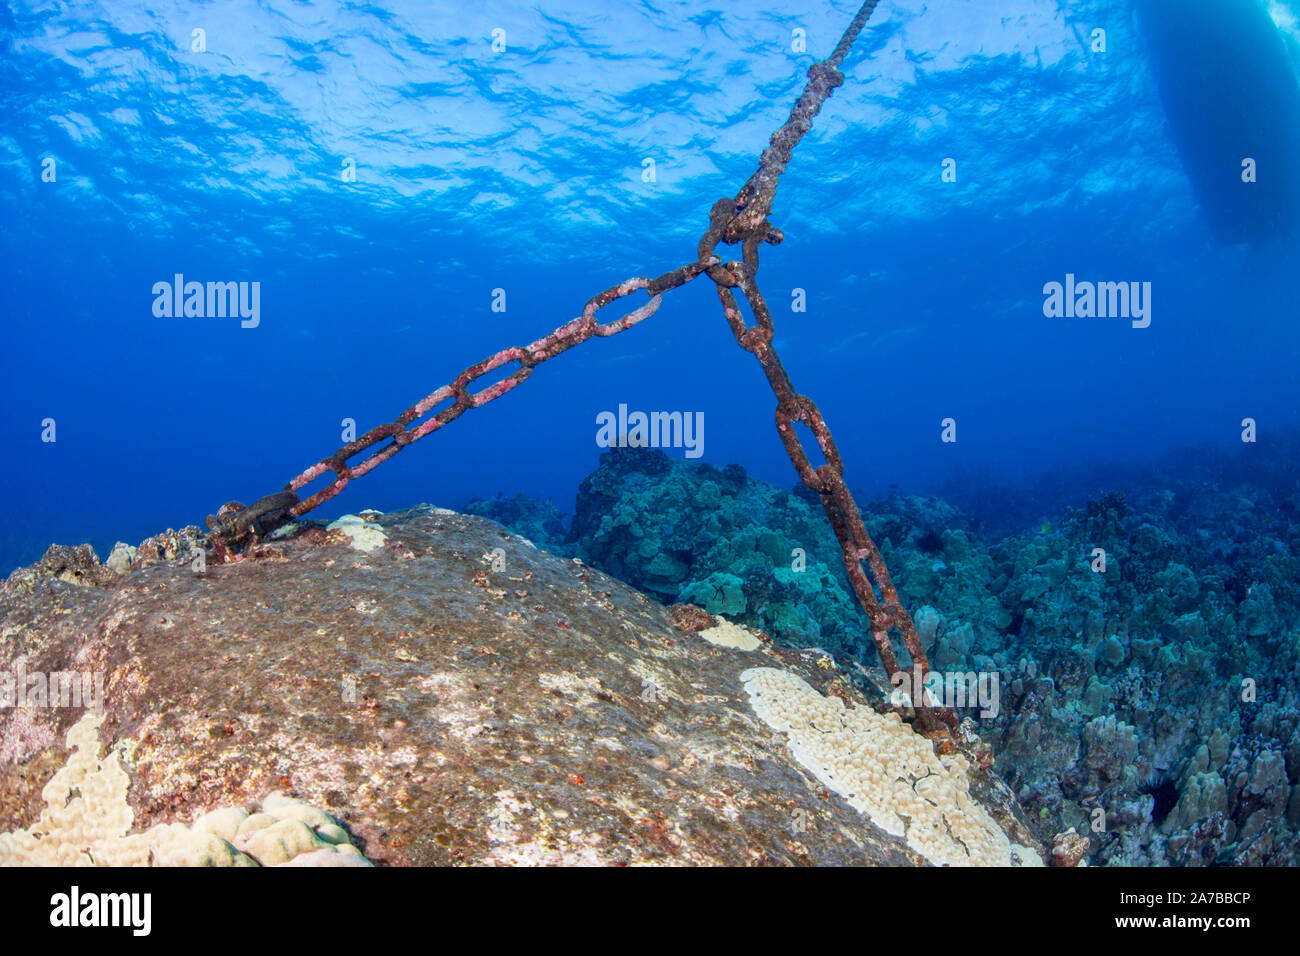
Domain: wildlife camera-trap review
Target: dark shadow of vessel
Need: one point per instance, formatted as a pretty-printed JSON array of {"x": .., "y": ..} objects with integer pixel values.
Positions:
[{"x": 1230, "y": 93}]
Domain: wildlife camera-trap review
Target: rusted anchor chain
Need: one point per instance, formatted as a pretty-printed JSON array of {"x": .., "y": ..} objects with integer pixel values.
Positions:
[
  {"x": 754, "y": 201},
  {"x": 742, "y": 219},
  {"x": 235, "y": 526}
]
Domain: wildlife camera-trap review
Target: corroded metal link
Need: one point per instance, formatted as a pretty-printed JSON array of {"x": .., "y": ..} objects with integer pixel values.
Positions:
[
  {"x": 496, "y": 389},
  {"x": 325, "y": 494},
  {"x": 752, "y": 338},
  {"x": 802, "y": 409},
  {"x": 680, "y": 276},
  {"x": 261, "y": 517},
  {"x": 617, "y": 292},
  {"x": 561, "y": 340},
  {"x": 811, "y": 416},
  {"x": 758, "y": 305},
  {"x": 719, "y": 216},
  {"x": 733, "y": 315}
]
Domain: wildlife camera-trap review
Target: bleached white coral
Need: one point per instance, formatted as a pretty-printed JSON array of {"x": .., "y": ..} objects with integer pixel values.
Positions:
[
  {"x": 362, "y": 534},
  {"x": 86, "y": 822},
  {"x": 883, "y": 769},
  {"x": 727, "y": 634}
]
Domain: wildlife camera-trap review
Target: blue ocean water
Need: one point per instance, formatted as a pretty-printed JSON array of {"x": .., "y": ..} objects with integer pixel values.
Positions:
[{"x": 503, "y": 147}]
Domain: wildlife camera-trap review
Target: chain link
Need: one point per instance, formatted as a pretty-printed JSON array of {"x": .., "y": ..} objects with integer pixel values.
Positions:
[{"x": 742, "y": 219}]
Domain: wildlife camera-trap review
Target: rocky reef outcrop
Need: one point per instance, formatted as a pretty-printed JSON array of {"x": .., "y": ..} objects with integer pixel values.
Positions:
[
  {"x": 427, "y": 688},
  {"x": 718, "y": 539},
  {"x": 1146, "y": 646}
]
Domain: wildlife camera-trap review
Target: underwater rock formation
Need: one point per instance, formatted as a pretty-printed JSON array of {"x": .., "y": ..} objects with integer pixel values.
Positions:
[
  {"x": 446, "y": 693},
  {"x": 1153, "y": 706},
  {"x": 713, "y": 537},
  {"x": 539, "y": 521}
]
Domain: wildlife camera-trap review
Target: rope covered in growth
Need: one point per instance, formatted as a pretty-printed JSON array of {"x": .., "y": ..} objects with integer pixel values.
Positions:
[{"x": 740, "y": 219}]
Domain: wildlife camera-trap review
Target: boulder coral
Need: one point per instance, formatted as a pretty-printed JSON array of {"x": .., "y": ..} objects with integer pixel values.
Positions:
[{"x": 86, "y": 822}]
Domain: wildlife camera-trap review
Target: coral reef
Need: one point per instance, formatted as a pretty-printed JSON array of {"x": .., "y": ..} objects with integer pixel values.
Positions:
[
  {"x": 715, "y": 538},
  {"x": 86, "y": 820},
  {"x": 532, "y": 518},
  {"x": 1146, "y": 644}
]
